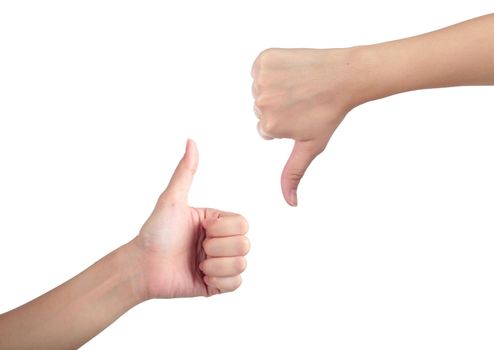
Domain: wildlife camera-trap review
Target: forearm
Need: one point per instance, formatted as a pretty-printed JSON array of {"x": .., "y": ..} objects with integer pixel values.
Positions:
[
  {"x": 71, "y": 314},
  {"x": 462, "y": 54}
]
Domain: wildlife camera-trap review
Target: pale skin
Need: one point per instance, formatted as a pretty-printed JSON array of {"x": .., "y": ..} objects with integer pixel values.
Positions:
[
  {"x": 180, "y": 252},
  {"x": 304, "y": 94}
]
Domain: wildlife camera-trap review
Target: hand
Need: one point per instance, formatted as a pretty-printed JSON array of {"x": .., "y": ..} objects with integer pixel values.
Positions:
[
  {"x": 180, "y": 252},
  {"x": 190, "y": 251},
  {"x": 302, "y": 94}
]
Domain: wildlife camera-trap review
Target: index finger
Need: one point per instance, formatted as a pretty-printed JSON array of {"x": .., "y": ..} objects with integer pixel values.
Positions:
[{"x": 226, "y": 225}]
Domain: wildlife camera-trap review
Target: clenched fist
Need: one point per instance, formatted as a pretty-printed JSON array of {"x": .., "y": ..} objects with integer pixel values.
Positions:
[
  {"x": 190, "y": 251},
  {"x": 302, "y": 94}
]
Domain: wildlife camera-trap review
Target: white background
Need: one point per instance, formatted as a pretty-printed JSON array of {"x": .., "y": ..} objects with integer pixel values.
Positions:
[{"x": 391, "y": 246}]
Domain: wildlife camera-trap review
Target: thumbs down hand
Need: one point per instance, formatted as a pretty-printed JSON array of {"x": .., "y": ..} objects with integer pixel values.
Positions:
[{"x": 302, "y": 94}]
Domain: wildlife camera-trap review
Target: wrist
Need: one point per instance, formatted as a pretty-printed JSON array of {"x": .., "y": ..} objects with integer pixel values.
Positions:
[
  {"x": 368, "y": 78},
  {"x": 389, "y": 68},
  {"x": 131, "y": 269},
  {"x": 351, "y": 76}
]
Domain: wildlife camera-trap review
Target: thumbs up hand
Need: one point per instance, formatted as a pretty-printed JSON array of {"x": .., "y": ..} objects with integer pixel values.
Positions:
[
  {"x": 187, "y": 251},
  {"x": 303, "y": 94}
]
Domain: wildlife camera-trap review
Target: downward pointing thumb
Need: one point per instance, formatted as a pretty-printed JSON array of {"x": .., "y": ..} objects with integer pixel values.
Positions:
[
  {"x": 178, "y": 187},
  {"x": 303, "y": 154}
]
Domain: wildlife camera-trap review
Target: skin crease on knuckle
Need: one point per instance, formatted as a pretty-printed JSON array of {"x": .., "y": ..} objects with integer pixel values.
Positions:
[
  {"x": 302, "y": 94},
  {"x": 257, "y": 111},
  {"x": 224, "y": 266},
  {"x": 264, "y": 60},
  {"x": 227, "y": 246},
  {"x": 268, "y": 125},
  {"x": 243, "y": 224},
  {"x": 254, "y": 89},
  {"x": 296, "y": 175},
  {"x": 263, "y": 101},
  {"x": 240, "y": 224},
  {"x": 266, "y": 56},
  {"x": 206, "y": 245},
  {"x": 240, "y": 264},
  {"x": 225, "y": 284},
  {"x": 233, "y": 283},
  {"x": 230, "y": 225},
  {"x": 244, "y": 245}
]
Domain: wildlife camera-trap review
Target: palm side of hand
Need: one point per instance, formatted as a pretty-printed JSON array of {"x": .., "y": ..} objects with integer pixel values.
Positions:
[{"x": 172, "y": 242}]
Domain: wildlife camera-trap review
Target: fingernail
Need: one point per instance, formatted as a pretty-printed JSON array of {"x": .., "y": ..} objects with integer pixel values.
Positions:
[{"x": 293, "y": 198}]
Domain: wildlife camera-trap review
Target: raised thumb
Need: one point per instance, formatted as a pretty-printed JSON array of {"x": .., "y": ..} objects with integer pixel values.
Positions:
[
  {"x": 178, "y": 187},
  {"x": 302, "y": 155}
]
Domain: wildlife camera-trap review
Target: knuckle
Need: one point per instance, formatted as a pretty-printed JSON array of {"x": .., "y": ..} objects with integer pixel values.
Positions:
[
  {"x": 168, "y": 199},
  {"x": 266, "y": 55},
  {"x": 236, "y": 283},
  {"x": 257, "y": 111},
  {"x": 240, "y": 264},
  {"x": 163, "y": 199},
  {"x": 206, "y": 245},
  {"x": 268, "y": 125},
  {"x": 262, "y": 60},
  {"x": 255, "y": 89},
  {"x": 205, "y": 266},
  {"x": 315, "y": 148},
  {"x": 265, "y": 81},
  {"x": 295, "y": 175},
  {"x": 253, "y": 70},
  {"x": 320, "y": 148},
  {"x": 244, "y": 245},
  {"x": 262, "y": 101},
  {"x": 260, "y": 80},
  {"x": 243, "y": 224}
]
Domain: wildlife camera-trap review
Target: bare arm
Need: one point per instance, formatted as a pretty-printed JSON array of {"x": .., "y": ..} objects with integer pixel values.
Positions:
[
  {"x": 70, "y": 315},
  {"x": 304, "y": 94},
  {"x": 462, "y": 54},
  {"x": 180, "y": 252}
]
